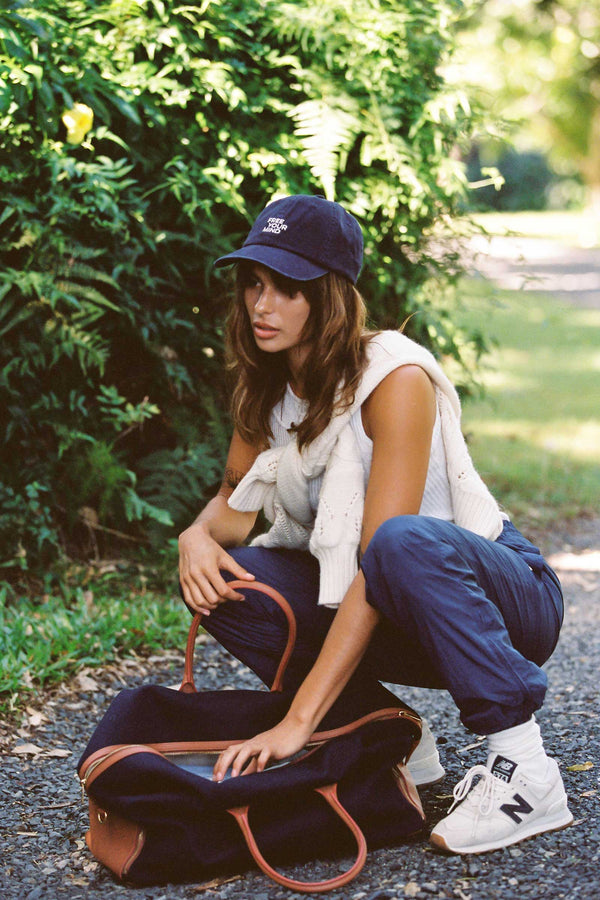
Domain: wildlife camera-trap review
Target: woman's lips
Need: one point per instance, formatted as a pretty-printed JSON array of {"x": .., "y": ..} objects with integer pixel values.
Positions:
[{"x": 264, "y": 331}]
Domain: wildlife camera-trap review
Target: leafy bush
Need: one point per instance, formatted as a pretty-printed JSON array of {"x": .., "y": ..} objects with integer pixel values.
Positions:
[
  {"x": 138, "y": 140},
  {"x": 26, "y": 527}
]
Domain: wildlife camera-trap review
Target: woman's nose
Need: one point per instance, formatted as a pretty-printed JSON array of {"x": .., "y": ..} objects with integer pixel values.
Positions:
[{"x": 266, "y": 299}]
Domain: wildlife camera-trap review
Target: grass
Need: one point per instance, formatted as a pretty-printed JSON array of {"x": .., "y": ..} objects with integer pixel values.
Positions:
[
  {"x": 535, "y": 437},
  {"x": 577, "y": 229},
  {"x": 84, "y": 623}
]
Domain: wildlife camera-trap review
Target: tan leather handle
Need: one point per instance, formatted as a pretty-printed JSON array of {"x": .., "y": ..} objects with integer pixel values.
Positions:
[
  {"x": 329, "y": 792},
  {"x": 188, "y": 686}
]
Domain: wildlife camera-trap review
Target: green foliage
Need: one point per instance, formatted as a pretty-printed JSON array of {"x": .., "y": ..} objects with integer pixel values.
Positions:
[
  {"x": 535, "y": 64},
  {"x": 26, "y": 527},
  {"x": 111, "y": 316},
  {"x": 42, "y": 644}
]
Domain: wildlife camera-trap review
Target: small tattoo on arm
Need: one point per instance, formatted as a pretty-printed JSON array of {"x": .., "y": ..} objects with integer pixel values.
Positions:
[{"x": 231, "y": 479}]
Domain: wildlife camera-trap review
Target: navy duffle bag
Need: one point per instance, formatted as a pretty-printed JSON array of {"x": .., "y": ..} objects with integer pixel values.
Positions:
[{"x": 156, "y": 816}]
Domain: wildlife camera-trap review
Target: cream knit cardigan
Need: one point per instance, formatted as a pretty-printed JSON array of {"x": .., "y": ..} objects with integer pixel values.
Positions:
[{"x": 278, "y": 480}]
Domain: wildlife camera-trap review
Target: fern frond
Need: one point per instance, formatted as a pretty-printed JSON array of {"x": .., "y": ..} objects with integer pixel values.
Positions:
[
  {"x": 295, "y": 23},
  {"x": 90, "y": 348},
  {"x": 86, "y": 292},
  {"x": 175, "y": 480},
  {"x": 76, "y": 268},
  {"x": 326, "y": 134}
]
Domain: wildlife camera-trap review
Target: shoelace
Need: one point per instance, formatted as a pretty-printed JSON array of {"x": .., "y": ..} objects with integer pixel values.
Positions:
[{"x": 489, "y": 785}]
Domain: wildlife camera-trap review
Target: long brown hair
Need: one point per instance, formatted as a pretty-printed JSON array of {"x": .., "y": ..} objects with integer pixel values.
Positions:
[{"x": 335, "y": 332}]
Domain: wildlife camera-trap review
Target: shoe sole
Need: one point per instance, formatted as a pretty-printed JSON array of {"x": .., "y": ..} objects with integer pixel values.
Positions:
[
  {"x": 426, "y": 778},
  {"x": 426, "y": 772},
  {"x": 558, "y": 823}
]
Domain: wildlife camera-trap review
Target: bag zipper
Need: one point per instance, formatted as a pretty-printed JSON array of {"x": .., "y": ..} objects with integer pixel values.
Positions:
[
  {"x": 120, "y": 751},
  {"x": 389, "y": 713},
  {"x": 167, "y": 749}
]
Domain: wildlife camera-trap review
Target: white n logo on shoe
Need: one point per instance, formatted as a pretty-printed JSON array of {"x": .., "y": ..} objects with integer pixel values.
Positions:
[
  {"x": 503, "y": 768},
  {"x": 515, "y": 810}
]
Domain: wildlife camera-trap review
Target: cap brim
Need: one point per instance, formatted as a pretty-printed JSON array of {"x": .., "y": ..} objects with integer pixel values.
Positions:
[{"x": 282, "y": 261}]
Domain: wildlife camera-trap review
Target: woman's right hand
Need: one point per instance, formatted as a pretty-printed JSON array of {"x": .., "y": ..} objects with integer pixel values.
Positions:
[{"x": 201, "y": 560}]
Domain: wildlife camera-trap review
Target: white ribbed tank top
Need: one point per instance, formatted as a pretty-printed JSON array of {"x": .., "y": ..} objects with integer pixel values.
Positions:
[{"x": 436, "y": 497}]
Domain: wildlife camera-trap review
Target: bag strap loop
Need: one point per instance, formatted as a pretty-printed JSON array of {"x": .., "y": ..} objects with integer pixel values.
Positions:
[
  {"x": 329, "y": 792},
  {"x": 188, "y": 686}
]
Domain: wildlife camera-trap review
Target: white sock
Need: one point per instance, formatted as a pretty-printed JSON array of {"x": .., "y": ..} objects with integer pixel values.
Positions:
[{"x": 521, "y": 744}]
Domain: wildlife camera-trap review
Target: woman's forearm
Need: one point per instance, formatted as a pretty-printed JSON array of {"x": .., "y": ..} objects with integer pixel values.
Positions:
[
  {"x": 344, "y": 647},
  {"x": 226, "y": 526},
  {"x": 342, "y": 651}
]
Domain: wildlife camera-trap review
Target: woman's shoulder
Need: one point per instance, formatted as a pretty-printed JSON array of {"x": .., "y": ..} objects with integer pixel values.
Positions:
[
  {"x": 390, "y": 350},
  {"x": 382, "y": 344},
  {"x": 406, "y": 390},
  {"x": 387, "y": 351}
]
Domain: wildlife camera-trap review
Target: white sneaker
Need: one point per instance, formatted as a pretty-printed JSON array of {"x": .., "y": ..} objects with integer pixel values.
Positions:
[
  {"x": 503, "y": 807},
  {"x": 424, "y": 764}
]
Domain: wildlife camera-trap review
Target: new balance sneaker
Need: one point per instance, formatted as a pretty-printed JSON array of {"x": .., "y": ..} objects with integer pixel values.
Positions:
[
  {"x": 424, "y": 765},
  {"x": 501, "y": 808}
]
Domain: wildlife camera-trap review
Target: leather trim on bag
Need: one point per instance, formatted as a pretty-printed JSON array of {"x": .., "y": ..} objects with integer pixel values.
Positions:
[
  {"x": 407, "y": 787},
  {"x": 115, "y": 841}
]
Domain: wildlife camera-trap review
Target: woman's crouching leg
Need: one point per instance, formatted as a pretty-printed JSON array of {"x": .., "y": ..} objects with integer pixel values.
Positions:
[{"x": 451, "y": 594}]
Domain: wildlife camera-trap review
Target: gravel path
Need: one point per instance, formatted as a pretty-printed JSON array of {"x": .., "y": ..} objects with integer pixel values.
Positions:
[
  {"x": 43, "y": 855},
  {"x": 570, "y": 274}
]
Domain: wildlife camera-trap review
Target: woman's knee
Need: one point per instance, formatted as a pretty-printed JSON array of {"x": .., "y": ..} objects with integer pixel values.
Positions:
[
  {"x": 405, "y": 537},
  {"x": 402, "y": 565}
]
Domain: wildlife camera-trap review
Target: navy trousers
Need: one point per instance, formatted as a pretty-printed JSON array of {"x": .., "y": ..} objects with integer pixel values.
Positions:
[{"x": 475, "y": 617}]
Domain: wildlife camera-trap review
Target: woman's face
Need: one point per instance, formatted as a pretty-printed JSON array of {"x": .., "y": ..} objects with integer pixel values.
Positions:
[{"x": 278, "y": 318}]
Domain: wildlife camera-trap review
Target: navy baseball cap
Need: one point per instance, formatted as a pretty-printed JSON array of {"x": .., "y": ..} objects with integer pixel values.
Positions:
[{"x": 303, "y": 237}]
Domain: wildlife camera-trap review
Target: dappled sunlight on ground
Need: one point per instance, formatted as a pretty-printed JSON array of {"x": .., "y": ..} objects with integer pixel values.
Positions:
[
  {"x": 540, "y": 413},
  {"x": 588, "y": 561},
  {"x": 574, "y": 439}
]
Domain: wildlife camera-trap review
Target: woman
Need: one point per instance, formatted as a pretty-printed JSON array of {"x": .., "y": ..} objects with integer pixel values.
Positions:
[{"x": 397, "y": 560}]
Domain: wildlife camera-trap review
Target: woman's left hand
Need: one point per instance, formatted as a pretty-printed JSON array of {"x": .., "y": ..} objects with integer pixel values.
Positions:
[{"x": 253, "y": 755}]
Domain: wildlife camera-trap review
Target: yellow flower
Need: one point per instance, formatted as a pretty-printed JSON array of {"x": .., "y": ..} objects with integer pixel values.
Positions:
[{"x": 78, "y": 122}]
